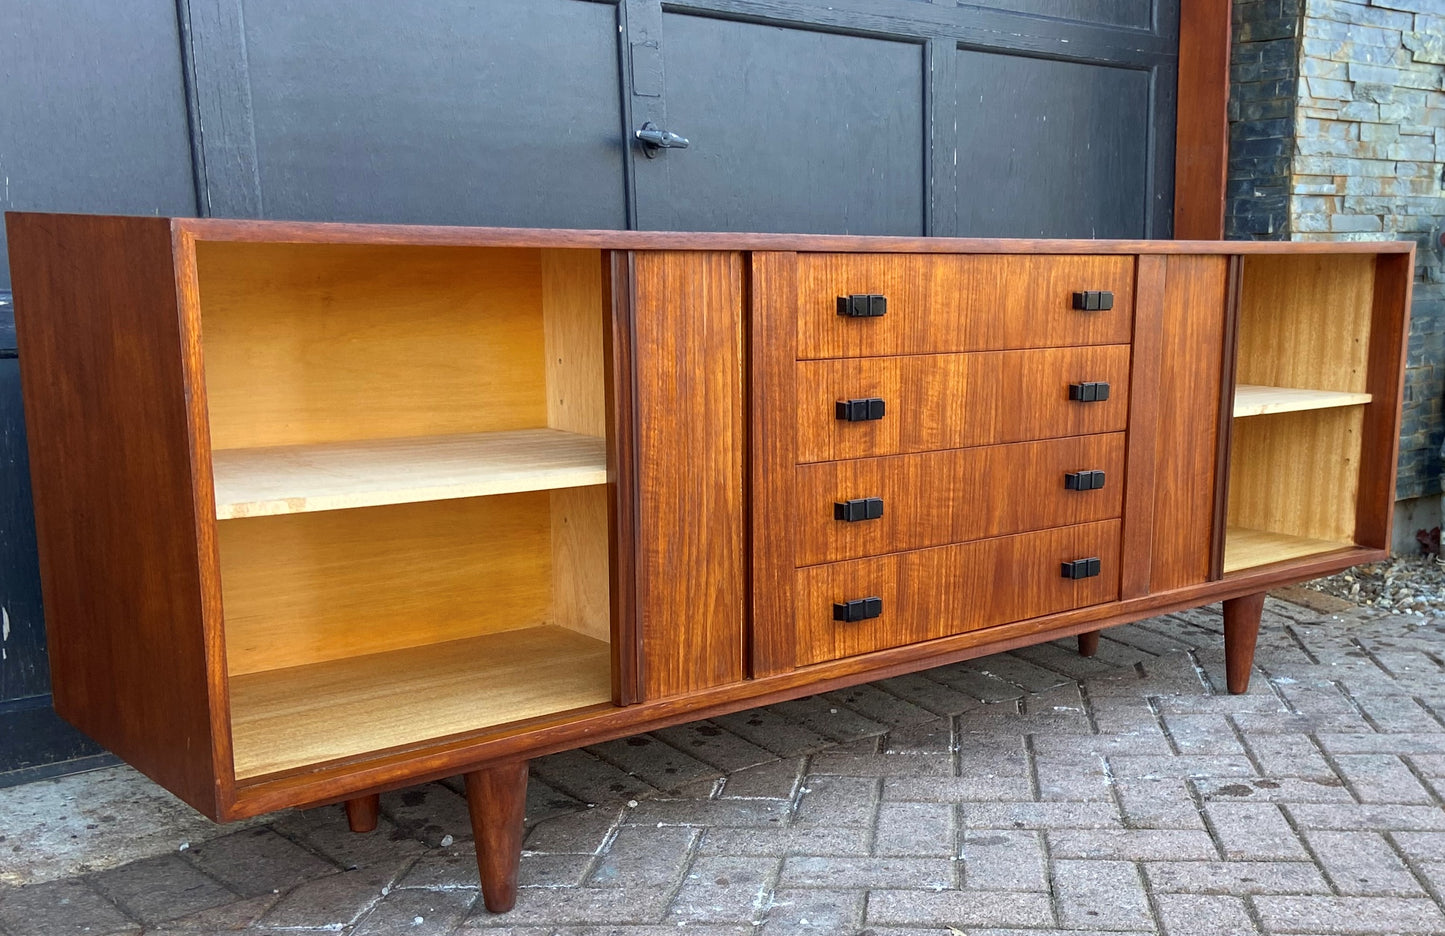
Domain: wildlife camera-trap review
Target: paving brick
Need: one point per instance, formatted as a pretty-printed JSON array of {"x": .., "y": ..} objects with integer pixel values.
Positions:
[
  {"x": 1253, "y": 832},
  {"x": 931, "y": 737},
  {"x": 882, "y": 707},
  {"x": 585, "y": 777},
  {"x": 1349, "y": 915},
  {"x": 724, "y": 889},
  {"x": 813, "y": 911},
  {"x": 958, "y": 909},
  {"x": 1150, "y": 767},
  {"x": 1205, "y": 734},
  {"x": 1039, "y": 815},
  {"x": 985, "y": 788},
  {"x": 1101, "y": 894},
  {"x": 221, "y": 919},
  {"x": 159, "y": 889},
  {"x": 258, "y": 861},
  {"x": 335, "y": 901},
  {"x": 868, "y": 872},
  {"x": 60, "y": 908},
  {"x": 645, "y": 857},
  {"x": 1132, "y": 844},
  {"x": 326, "y": 831},
  {"x": 828, "y": 719},
  {"x": 1078, "y": 780},
  {"x": 655, "y": 761},
  {"x": 1421, "y": 846},
  {"x": 929, "y": 694},
  {"x": 579, "y": 833},
  {"x": 880, "y": 765},
  {"x": 692, "y": 812},
  {"x": 1004, "y": 859},
  {"x": 1236, "y": 877},
  {"x": 1150, "y": 741},
  {"x": 921, "y": 829},
  {"x": 964, "y": 678},
  {"x": 811, "y": 840},
  {"x": 1269, "y": 790},
  {"x": 1381, "y": 778},
  {"x": 1289, "y": 756},
  {"x": 1398, "y": 714},
  {"x": 772, "y": 732},
  {"x": 1015, "y": 668},
  {"x": 837, "y": 801},
  {"x": 1201, "y": 915},
  {"x": 1367, "y": 817},
  {"x": 1362, "y": 864},
  {"x": 428, "y": 813},
  {"x": 776, "y": 779},
  {"x": 1158, "y": 804},
  {"x": 713, "y": 744}
]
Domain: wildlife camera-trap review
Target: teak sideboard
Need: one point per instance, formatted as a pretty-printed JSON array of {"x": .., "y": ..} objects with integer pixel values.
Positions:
[{"x": 326, "y": 510}]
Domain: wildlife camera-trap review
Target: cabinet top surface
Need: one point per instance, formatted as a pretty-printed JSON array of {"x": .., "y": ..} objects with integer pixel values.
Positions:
[{"x": 309, "y": 232}]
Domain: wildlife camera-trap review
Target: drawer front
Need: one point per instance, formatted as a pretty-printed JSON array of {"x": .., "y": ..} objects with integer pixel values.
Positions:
[
  {"x": 959, "y": 303},
  {"x": 932, "y": 593},
  {"x": 936, "y": 498},
  {"x": 944, "y": 401}
]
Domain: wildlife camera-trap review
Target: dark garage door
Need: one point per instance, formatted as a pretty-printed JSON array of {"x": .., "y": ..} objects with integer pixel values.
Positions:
[{"x": 1026, "y": 118}]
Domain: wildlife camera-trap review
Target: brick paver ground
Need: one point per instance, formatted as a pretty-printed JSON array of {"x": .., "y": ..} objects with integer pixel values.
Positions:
[{"x": 1030, "y": 793}]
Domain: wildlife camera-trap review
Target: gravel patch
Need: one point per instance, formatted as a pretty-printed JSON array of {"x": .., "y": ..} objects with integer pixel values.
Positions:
[{"x": 1403, "y": 585}]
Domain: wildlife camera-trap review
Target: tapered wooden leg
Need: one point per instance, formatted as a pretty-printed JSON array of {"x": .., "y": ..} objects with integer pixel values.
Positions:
[
  {"x": 1088, "y": 643},
  {"x": 361, "y": 812},
  {"x": 1241, "y": 630},
  {"x": 497, "y": 800}
]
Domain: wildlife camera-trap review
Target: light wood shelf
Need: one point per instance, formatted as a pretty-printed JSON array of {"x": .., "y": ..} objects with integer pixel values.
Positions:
[
  {"x": 1245, "y": 548},
  {"x": 302, "y": 715},
  {"x": 1256, "y": 400},
  {"x": 287, "y": 479}
]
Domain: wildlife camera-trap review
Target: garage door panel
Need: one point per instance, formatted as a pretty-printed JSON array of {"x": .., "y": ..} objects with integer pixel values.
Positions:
[
  {"x": 790, "y": 129},
  {"x": 1136, "y": 13}
]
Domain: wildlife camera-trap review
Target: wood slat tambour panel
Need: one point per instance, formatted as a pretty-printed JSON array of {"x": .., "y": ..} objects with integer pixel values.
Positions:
[
  {"x": 942, "y": 401},
  {"x": 946, "y": 590},
  {"x": 341, "y": 475},
  {"x": 1191, "y": 362},
  {"x": 959, "y": 303},
  {"x": 935, "y": 498},
  {"x": 691, "y": 450}
]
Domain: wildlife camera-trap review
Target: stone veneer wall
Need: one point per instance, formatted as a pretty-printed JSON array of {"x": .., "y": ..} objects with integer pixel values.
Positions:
[{"x": 1338, "y": 133}]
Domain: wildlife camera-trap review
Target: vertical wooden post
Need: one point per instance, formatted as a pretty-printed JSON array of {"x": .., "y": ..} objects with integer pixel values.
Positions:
[
  {"x": 1241, "y": 630},
  {"x": 497, "y": 801},
  {"x": 362, "y": 811},
  {"x": 1088, "y": 643}
]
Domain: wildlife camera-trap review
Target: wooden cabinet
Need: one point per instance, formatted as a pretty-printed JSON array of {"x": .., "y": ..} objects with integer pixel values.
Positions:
[{"x": 326, "y": 510}]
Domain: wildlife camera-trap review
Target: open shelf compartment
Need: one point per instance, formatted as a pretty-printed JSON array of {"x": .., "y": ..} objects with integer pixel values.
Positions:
[
  {"x": 1301, "y": 379},
  {"x": 409, "y": 452}
]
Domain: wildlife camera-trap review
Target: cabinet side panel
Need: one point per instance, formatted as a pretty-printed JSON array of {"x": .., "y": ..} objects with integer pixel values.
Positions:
[
  {"x": 1138, "y": 533},
  {"x": 691, "y": 446},
  {"x": 1192, "y": 347},
  {"x": 1389, "y": 331},
  {"x": 101, "y": 352}
]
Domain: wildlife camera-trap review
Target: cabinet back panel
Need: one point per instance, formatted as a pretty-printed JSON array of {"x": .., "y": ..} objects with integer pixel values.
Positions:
[
  {"x": 303, "y": 588},
  {"x": 1297, "y": 473},
  {"x": 309, "y": 343},
  {"x": 1304, "y": 321}
]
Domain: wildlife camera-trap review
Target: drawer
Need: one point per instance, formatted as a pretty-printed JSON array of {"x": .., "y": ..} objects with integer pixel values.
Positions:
[
  {"x": 943, "y": 303},
  {"x": 930, "y": 593},
  {"x": 943, "y": 401},
  {"x": 954, "y": 496}
]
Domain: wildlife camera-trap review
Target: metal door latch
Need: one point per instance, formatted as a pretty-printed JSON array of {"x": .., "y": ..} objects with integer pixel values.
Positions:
[{"x": 654, "y": 138}]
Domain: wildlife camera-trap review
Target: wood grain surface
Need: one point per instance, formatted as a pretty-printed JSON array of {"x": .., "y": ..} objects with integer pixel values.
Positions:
[
  {"x": 959, "y": 303},
  {"x": 691, "y": 453},
  {"x": 1201, "y": 132},
  {"x": 1191, "y": 362},
  {"x": 122, "y": 550},
  {"x": 1137, "y": 536},
  {"x": 940, "y": 401},
  {"x": 1254, "y": 400},
  {"x": 1380, "y": 438},
  {"x": 937, "y": 498},
  {"x": 931, "y": 593}
]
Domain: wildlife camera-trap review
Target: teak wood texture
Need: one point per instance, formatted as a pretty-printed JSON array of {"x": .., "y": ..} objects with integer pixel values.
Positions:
[{"x": 326, "y": 510}]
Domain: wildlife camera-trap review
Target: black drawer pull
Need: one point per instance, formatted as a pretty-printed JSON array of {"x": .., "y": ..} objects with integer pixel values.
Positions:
[
  {"x": 860, "y": 410},
  {"x": 1080, "y": 568},
  {"x": 863, "y": 305},
  {"x": 1084, "y": 480},
  {"x": 1090, "y": 391},
  {"x": 859, "y": 508},
  {"x": 1094, "y": 301},
  {"x": 859, "y": 609}
]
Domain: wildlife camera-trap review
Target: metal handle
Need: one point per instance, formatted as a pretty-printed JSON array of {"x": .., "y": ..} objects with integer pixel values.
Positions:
[{"x": 654, "y": 138}]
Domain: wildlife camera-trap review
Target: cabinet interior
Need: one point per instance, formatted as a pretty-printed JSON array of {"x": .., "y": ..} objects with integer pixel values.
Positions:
[
  {"x": 409, "y": 450},
  {"x": 1301, "y": 378}
]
